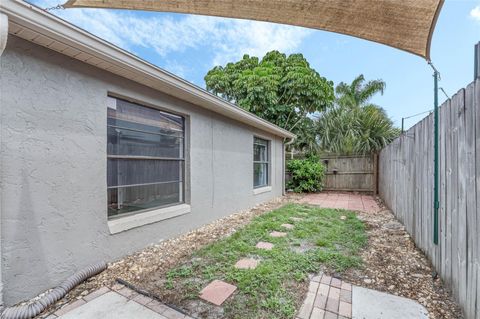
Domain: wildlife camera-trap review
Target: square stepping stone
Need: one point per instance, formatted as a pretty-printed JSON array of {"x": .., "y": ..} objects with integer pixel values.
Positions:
[
  {"x": 264, "y": 245},
  {"x": 247, "y": 263},
  {"x": 287, "y": 226},
  {"x": 278, "y": 234},
  {"x": 217, "y": 292}
]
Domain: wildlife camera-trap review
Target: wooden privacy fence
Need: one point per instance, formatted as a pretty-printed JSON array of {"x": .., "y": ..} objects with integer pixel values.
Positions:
[
  {"x": 406, "y": 185},
  {"x": 351, "y": 173}
]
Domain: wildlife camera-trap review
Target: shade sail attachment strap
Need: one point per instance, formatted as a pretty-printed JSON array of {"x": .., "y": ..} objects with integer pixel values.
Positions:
[{"x": 403, "y": 24}]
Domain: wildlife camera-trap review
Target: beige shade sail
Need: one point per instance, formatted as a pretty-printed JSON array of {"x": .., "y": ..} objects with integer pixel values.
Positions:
[{"x": 403, "y": 24}]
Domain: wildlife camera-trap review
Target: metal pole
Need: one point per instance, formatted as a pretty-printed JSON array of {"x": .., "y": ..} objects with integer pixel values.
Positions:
[
  {"x": 403, "y": 120},
  {"x": 476, "y": 62},
  {"x": 435, "y": 164}
]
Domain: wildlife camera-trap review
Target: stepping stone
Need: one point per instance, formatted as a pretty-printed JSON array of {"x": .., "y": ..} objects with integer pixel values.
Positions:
[
  {"x": 217, "y": 292},
  {"x": 287, "y": 226},
  {"x": 296, "y": 219},
  {"x": 343, "y": 217},
  {"x": 264, "y": 245},
  {"x": 247, "y": 263},
  {"x": 278, "y": 234}
]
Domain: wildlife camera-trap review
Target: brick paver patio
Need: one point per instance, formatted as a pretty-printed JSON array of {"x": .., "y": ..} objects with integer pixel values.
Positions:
[{"x": 355, "y": 202}]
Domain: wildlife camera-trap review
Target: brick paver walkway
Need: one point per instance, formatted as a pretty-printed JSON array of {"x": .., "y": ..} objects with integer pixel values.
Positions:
[
  {"x": 350, "y": 201},
  {"x": 327, "y": 298}
]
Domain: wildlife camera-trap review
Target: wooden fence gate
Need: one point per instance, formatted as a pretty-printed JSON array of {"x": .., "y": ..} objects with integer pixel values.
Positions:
[{"x": 356, "y": 173}]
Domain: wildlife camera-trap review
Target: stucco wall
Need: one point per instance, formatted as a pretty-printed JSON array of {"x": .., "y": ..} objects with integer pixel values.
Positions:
[{"x": 53, "y": 168}]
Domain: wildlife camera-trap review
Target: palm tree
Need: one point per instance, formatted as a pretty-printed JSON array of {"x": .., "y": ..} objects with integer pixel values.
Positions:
[
  {"x": 353, "y": 125},
  {"x": 357, "y": 94}
]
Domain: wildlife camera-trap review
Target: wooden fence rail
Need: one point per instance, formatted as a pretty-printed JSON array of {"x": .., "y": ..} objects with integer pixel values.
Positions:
[{"x": 406, "y": 186}]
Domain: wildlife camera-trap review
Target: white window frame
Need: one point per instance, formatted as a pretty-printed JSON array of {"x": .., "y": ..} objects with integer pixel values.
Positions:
[{"x": 267, "y": 187}]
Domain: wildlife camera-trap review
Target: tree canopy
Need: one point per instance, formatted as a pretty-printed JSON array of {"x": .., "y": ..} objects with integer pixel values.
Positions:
[
  {"x": 286, "y": 91},
  {"x": 281, "y": 89}
]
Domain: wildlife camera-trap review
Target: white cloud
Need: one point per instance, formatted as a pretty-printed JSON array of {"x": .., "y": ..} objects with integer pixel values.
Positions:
[
  {"x": 475, "y": 13},
  {"x": 227, "y": 39}
]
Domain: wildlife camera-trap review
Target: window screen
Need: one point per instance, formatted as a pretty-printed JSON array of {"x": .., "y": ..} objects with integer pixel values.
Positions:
[
  {"x": 145, "y": 158},
  {"x": 261, "y": 158}
]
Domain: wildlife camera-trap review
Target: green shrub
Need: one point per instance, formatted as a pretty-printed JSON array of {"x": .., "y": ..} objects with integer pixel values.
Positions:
[{"x": 307, "y": 175}]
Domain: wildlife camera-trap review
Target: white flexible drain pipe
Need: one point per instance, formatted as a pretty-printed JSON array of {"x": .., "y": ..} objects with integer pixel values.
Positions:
[{"x": 35, "y": 308}]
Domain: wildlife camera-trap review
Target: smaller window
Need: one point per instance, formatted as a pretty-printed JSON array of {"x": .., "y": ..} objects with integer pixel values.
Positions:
[{"x": 261, "y": 162}]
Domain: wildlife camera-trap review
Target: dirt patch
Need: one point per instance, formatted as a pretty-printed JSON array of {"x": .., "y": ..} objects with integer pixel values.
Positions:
[
  {"x": 302, "y": 247},
  {"x": 393, "y": 264}
]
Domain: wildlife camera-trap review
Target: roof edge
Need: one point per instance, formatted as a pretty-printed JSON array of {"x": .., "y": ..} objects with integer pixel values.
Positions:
[{"x": 47, "y": 24}]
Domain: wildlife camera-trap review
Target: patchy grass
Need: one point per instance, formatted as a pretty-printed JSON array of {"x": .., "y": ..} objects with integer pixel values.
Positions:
[{"x": 275, "y": 289}]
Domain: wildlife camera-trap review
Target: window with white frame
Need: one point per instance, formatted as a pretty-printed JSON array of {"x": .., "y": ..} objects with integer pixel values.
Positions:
[
  {"x": 145, "y": 158},
  {"x": 261, "y": 162}
]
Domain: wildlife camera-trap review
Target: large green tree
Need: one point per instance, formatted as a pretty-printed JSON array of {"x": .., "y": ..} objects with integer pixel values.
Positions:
[
  {"x": 281, "y": 89},
  {"x": 354, "y": 125}
]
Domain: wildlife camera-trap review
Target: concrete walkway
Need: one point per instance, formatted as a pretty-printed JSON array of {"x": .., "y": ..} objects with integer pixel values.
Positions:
[
  {"x": 117, "y": 303},
  {"x": 355, "y": 202},
  {"x": 332, "y": 298}
]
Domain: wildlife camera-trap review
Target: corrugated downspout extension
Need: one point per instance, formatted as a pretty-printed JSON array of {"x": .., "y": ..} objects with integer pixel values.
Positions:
[{"x": 36, "y": 307}]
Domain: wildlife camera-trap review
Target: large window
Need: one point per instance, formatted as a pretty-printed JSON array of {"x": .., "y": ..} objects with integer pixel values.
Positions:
[
  {"x": 261, "y": 159},
  {"x": 145, "y": 165}
]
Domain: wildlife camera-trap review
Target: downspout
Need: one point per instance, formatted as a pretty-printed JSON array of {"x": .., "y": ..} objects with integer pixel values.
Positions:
[
  {"x": 3, "y": 44},
  {"x": 284, "y": 160},
  {"x": 39, "y": 304}
]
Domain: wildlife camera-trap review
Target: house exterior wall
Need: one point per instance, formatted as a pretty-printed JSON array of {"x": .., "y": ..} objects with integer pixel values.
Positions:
[{"x": 53, "y": 119}]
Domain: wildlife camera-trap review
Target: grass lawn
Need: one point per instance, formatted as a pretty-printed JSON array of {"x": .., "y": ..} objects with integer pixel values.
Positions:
[{"x": 275, "y": 289}]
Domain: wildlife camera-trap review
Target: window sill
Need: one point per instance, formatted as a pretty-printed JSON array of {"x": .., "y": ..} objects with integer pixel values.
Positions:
[
  {"x": 261, "y": 190},
  {"x": 128, "y": 222}
]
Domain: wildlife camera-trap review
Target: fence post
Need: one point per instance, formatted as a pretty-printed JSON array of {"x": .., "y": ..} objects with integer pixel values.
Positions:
[
  {"x": 375, "y": 173},
  {"x": 435, "y": 158}
]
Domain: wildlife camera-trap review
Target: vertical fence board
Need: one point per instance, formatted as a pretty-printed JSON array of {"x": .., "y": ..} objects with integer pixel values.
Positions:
[
  {"x": 448, "y": 199},
  {"x": 477, "y": 187},
  {"x": 406, "y": 185},
  {"x": 454, "y": 194},
  {"x": 471, "y": 247},
  {"x": 462, "y": 200}
]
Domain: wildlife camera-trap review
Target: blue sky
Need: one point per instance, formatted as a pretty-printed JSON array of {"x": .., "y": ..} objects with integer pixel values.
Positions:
[{"x": 190, "y": 45}]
